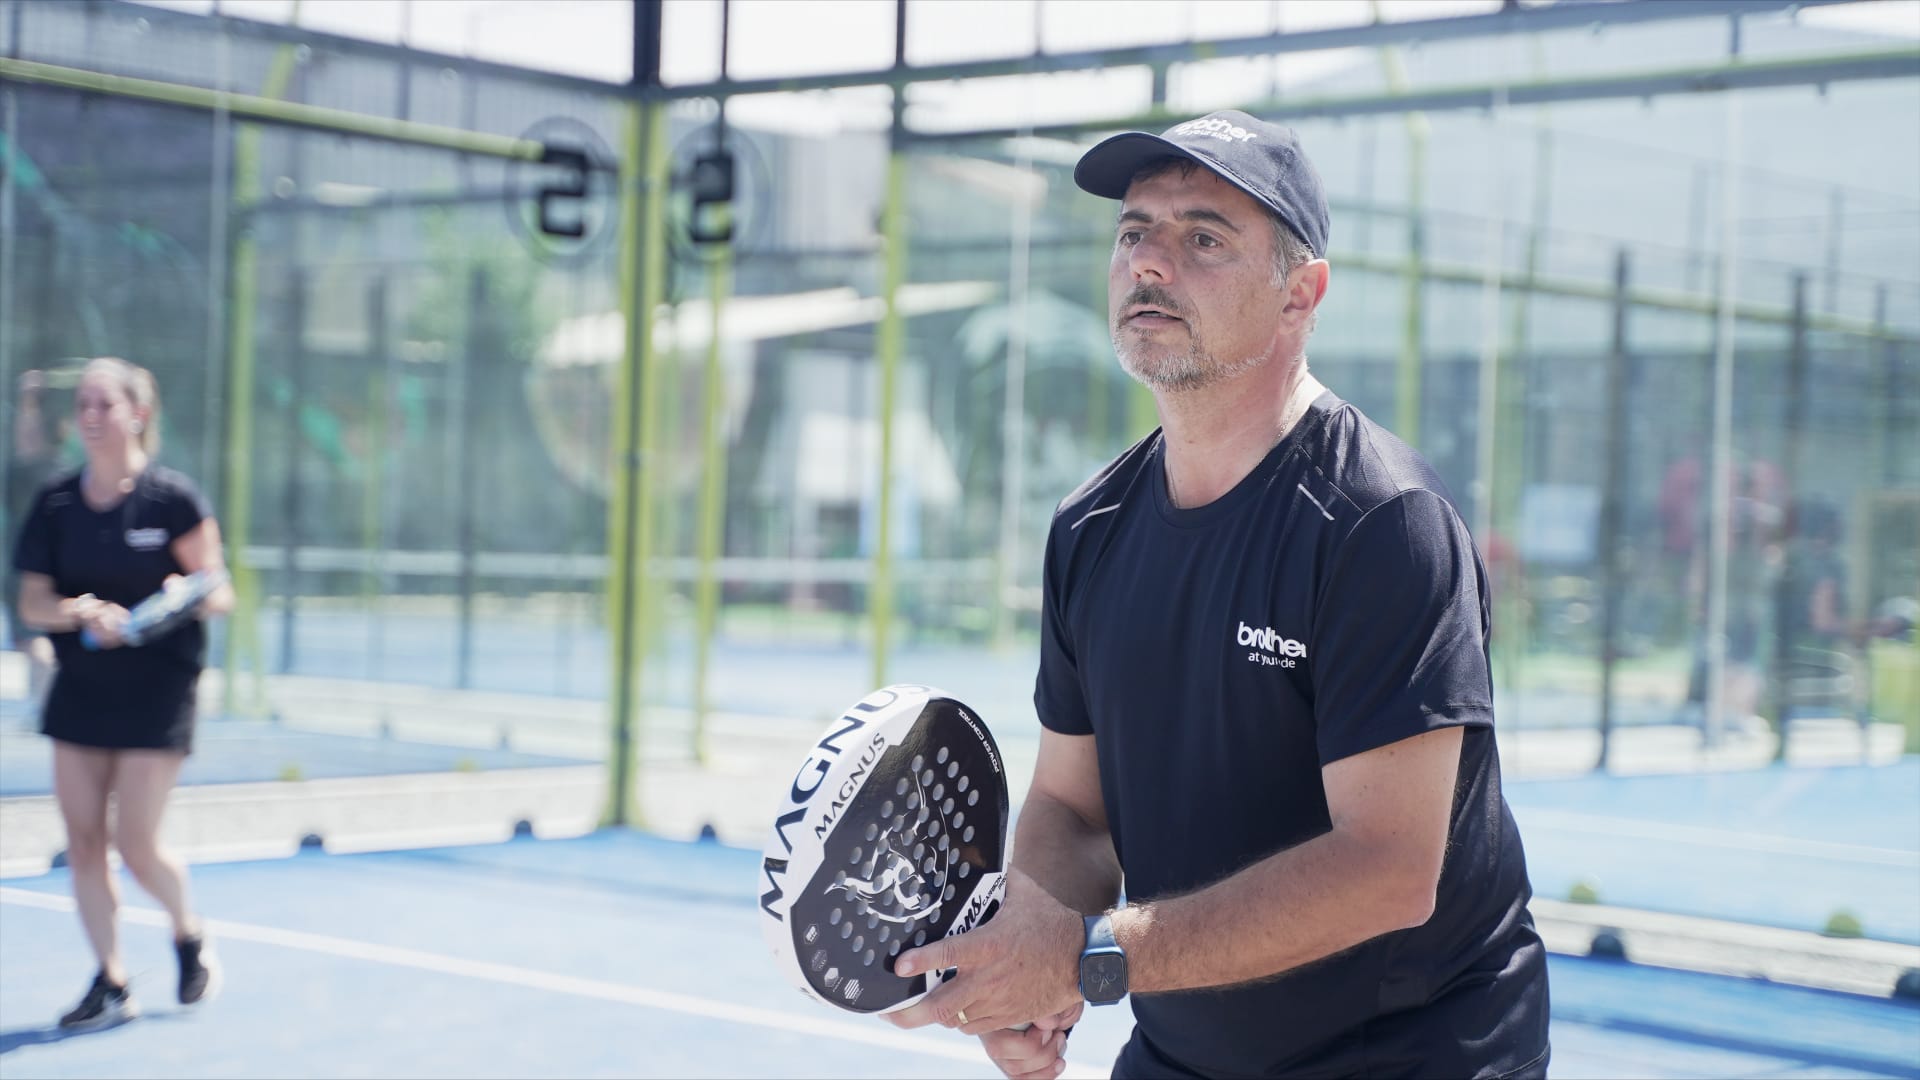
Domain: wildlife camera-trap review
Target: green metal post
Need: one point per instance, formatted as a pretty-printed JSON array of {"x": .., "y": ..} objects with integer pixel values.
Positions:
[
  {"x": 1408, "y": 393},
  {"x": 1511, "y": 630},
  {"x": 243, "y": 634},
  {"x": 713, "y": 504},
  {"x": 373, "y": 532},
  {"x": 893, "y": 271},
  {"x": 643, "y": 187}
]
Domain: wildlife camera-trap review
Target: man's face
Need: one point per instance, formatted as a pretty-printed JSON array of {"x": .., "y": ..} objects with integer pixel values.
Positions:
[{"x": 1190, "y": 289}]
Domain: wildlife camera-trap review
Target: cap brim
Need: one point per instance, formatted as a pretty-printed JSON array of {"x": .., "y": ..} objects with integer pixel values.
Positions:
[{"x": 1108, "y": 168}]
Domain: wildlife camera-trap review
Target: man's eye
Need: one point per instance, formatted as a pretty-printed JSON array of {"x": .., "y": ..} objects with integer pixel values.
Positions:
[
  {"x": 1130, "y": 237},
  {"x": 1205, "y": 240}
]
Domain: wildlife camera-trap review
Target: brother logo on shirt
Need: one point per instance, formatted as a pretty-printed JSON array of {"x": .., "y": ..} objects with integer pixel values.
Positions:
[
  {"x": 146, "y": 539},
  {"x": 1270, "y": 649}
]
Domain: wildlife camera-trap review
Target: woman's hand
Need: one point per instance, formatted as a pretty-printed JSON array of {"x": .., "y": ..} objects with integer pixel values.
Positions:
[{"x": 100, "y": 618}]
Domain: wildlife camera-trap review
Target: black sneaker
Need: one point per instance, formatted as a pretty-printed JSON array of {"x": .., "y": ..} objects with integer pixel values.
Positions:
[
  {"x": 104, "y": 1006},
  {"x": 199, "y": 970}
]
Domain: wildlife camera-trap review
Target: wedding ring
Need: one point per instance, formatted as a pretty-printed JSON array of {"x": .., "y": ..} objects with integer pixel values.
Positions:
[{"x": 963, "y": 1017}]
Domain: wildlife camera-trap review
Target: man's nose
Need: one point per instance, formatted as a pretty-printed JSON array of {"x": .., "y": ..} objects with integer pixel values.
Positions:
[{"x": 1150, "y": 257}]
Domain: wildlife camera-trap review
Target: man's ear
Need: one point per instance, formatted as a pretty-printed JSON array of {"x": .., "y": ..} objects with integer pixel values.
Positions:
[{"x": 1306, "y": 287}]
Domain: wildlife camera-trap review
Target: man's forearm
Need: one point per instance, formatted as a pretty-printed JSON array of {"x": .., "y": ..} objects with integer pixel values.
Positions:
[
  {"x": 1070, "y": 858},
  {"x": 1294, "y": 907}
]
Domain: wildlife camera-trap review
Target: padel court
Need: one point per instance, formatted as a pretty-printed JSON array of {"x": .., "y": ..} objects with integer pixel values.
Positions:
[{"x": 623, "y": 954}]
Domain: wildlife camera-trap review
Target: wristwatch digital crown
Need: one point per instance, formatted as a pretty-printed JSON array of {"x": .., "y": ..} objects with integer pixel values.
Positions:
[{"x": 1103, "y": 966}]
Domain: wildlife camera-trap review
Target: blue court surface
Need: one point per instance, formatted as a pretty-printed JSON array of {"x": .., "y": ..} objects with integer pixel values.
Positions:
[
  {"x": 1778, "y": 846},
  {"x": 623, "y": 954}
]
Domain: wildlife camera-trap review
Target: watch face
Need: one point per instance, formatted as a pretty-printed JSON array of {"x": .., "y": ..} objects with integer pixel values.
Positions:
[{"x": 1103, "y": 977}]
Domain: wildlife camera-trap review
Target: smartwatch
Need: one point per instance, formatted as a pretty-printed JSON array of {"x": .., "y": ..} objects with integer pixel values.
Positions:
[{"x": 1103, "y": 966}]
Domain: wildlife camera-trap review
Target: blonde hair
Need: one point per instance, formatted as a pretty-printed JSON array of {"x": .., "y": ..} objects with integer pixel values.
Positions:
[{"x": 142, "y": 391}]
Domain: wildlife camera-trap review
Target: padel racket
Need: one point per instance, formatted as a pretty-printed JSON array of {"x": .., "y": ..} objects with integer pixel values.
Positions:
[
  {"x": 892, "y": 834},
  {"x": 165, "y": 610}
]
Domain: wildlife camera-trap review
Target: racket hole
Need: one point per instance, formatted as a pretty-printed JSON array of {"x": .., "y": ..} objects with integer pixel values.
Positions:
[
  {"x": 919, "y": 850},
  {"x": 965, "y": 781},
  {"x": 859, "y": 943},
  {"x": 855, "y": 857},
  {"x": 927, "y": 866},
  {"x": 901, "y": 787},
  {"x": 953, "y": 769},
  {"x": 926, "y": 777},
  {"x": 947, "y": 807},
  {"x": 873, "y": 830},
  {"x": 939, "y": 790},
  {"x": 960, "y": 818},
  {"x": 834, "y": 917},
  {"x": 885, "y": 932},
  {"x": 965, "y": 868},
  {"x": 973, "y": 796},
  {"x": 918, "y": 761},
  {"x": 867, "y": 959},
  {"x": 947, "y": 894},
  {"x": 967, "y": 836},
  {"x": 846, "y": 930},
  {"x": 945, "y": 843},
  {"x": 913, "y": 800},
  {"x": 893, "y": 948},
  {"x": 886, "y": 810},
  {"x": 919, "y": 938},
  {"x": 942, "y": 756},
  {"x": 873, "y": 920}
]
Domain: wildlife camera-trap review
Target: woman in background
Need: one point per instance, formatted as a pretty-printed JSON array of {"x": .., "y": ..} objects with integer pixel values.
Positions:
[{"x": 95, "y": 544}]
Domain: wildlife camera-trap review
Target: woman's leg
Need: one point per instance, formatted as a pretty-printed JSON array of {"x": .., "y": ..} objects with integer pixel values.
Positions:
[
  {"x": 82, "y": 777},
  {"x": 143, "y": 782}
]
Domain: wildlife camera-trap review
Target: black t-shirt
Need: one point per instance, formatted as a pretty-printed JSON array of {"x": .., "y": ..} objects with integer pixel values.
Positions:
[
  {"x": 1330, "y": 604},
  {"x": 122, "y": 554}
]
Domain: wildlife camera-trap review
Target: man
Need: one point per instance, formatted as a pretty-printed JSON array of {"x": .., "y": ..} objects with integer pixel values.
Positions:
[{"x": 1264, "y": 694}]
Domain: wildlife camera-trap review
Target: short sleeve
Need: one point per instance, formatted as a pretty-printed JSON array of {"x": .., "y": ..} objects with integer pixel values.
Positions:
[
  {"x": 1059, "y": 697},
  {"x": 1399, "y": 639},
  {"x": 33, "y": 549},
  {"x": 185, "y": 507}
]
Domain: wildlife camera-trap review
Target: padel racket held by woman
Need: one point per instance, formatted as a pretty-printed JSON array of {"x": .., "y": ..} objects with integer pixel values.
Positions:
[
  {"x": 892, "y": 834},
  {"x": 164, "y": 610}
]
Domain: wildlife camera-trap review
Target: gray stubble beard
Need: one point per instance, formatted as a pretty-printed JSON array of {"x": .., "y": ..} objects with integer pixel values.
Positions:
[{"x": 1194, "y": 369}]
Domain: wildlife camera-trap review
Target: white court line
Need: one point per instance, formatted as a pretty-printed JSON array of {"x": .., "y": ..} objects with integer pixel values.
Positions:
[
  {"x": 1721, "y": 838},
  {"x": 879, "y": 1036}
]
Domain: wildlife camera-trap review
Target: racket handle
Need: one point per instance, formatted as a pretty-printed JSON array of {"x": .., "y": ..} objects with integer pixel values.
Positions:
[{"x": 91, "y": 643}]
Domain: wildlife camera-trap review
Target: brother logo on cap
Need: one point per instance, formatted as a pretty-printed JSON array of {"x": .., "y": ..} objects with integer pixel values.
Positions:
[{"x": 1223, "y": 130}]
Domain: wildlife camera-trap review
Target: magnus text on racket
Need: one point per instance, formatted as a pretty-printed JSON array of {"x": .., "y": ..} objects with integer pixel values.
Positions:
[{"x": 818, "y": 763}]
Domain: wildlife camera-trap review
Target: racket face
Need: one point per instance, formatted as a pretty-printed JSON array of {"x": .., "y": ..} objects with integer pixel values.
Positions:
[{"x": 892, "y": 834}]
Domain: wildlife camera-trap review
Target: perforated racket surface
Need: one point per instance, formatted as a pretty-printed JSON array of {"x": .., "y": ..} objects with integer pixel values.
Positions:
[
  {"x": 892, "y": 834},
  {"x": 164, "y": 610}
]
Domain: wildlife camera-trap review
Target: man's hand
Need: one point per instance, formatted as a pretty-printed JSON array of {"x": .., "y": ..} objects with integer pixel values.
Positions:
[
  {"x": 1039, "y": 1052},
  {"x": 1018, "y": 968}
]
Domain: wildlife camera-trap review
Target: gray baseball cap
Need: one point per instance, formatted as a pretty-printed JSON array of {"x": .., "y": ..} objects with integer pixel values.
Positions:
[{"x": 1260, "y": 158}]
